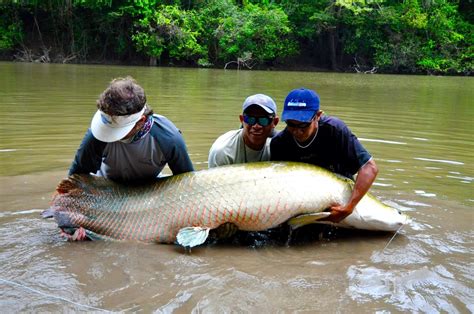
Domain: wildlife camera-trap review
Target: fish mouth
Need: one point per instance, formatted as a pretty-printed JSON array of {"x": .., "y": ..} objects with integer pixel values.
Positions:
[{"x": 396, "y": 225}]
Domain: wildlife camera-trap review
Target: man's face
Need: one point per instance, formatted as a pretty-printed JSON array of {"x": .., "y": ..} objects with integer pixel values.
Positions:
[
  {"x": 135, "y": 129},
  {"x": 303, "y": 131},
  {"x": 255, "y": 134}
]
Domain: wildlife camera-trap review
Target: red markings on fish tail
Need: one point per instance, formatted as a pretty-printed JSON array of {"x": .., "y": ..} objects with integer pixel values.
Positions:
[
  {"x": 216, "y": 215},
  {"x": 277, "y": 206},
  {"x": 167, "y": 230},
  {"x": 227, "y": 215},
  {"x": 244, "y": 216},
  {"x": 112, "y": 224},
  {"x": 269, "y": 213},
  {"x": 153, "y": 221},
  {"x": 209, "y": 216},
  {"x": 138, "y": 224},
  {"x": 259, "y": 215},
  {"x": 107, "y": 223},
  {"x": 117, "y": 224},
  {"x": 154, "y": 232},
  {"x": 141, "y": 224},
  {"x": 185, "y": 219},
  {"x": 196, "y": 214},
  {"x": 170, "y": 236},
  {"x": 179, "y": 211},
  {"x": 66, "y": 185},
  {"x": 128, "y": 231},
  {"x": 239, "y": 216}
]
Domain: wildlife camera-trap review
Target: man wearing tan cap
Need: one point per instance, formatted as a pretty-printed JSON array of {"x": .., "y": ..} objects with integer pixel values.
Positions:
[{"x": 126, "y": 141}]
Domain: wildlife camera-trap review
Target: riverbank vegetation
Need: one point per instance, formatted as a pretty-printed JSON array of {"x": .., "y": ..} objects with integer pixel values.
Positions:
[{"x": 387, "y": 36}]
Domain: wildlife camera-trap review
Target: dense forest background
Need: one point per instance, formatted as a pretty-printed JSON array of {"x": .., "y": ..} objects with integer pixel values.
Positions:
[{"x": 388, "y": 36}]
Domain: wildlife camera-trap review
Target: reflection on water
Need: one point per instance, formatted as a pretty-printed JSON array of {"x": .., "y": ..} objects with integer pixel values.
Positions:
[{"x": 419, "y": 129}]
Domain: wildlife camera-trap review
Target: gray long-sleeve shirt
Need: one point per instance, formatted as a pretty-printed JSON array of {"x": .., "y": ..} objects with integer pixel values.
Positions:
[{"x": 143, "y": 159}]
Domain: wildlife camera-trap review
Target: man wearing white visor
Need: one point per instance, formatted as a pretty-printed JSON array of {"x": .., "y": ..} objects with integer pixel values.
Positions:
[
  {"x": 251, "y": 143},
  {"x": 126, "y": 141}
]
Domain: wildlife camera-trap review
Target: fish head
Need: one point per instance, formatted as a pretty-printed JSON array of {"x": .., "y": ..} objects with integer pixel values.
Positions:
[{"x": 378, "y": 219}]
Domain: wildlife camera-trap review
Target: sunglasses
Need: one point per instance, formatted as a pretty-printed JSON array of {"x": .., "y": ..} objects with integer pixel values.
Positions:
[
  {"x": 302, "y": 125},
  {"x": 262, "y": 121}
]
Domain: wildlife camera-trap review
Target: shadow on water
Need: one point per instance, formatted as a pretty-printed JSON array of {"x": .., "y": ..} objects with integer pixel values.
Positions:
[{"x": 308, "y": 235}]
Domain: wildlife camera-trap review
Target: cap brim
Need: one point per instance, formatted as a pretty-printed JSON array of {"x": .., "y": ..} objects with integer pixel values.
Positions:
[
  {"x": 267, "y": 110},
  {"x": 105, "y": 133},
  {"x": 298, "y": 115}
]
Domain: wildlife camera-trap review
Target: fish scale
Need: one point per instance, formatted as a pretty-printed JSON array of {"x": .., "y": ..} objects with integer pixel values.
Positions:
[{"x": 253, "y": 196}]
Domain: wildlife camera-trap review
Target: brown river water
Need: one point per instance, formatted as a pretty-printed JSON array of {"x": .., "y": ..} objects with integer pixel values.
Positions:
[{"x": 418, "y": 128}]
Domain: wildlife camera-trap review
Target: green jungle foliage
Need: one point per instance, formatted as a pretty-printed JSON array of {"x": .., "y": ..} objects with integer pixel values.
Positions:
[{"x": 389, "y": 36}]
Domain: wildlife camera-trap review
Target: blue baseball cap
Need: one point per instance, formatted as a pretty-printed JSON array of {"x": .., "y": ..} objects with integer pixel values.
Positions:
[{"x": 300, "y": 105}]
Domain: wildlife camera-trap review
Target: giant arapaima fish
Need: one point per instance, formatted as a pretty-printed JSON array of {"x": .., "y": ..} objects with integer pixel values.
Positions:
[{"x": 183, "y": 208}]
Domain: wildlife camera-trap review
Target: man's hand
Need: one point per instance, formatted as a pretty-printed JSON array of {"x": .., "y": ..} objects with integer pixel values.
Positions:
[
  {"x": 339, "y": 212},
  {"x": 364, "y": 180}
]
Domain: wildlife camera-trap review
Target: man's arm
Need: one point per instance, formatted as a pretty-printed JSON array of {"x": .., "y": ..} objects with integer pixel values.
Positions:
[
  {"x": 172, "y": 144},
  {"x": 179, "y": 161},
  {"x": 89, "y": 155},
  {"x": 365, "y": 177}
]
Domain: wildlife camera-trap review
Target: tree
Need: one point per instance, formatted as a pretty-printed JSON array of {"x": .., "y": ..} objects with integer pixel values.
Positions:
[
  {"x": 170, "y": 30},
  {"x": 261, "y": 31}
]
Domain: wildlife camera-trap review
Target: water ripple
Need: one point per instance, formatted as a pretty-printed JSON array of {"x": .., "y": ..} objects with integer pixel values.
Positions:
[
  {"x": 426, "y": 289},
  {"x": 451, "y": 162}
]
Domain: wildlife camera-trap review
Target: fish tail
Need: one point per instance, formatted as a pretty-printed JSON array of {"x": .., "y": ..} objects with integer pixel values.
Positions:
[{"x": 69, "y": 184}]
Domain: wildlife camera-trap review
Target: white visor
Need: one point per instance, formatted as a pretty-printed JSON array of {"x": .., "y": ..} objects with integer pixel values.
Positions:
[{"x": 109, "y": 129}]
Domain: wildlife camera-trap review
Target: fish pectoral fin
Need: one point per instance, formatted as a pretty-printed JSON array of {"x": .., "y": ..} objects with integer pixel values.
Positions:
[
  {"x": 192, "y": 236},
  {"x": 306, "y": 219}
]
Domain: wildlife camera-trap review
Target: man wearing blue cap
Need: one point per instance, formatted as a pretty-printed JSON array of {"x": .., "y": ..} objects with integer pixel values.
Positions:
[
  {"x": 251, "y": 143},
  {"x": 325, "y": 141}
]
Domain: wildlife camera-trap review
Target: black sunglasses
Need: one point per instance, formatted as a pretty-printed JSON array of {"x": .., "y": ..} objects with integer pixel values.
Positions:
[
  {"x": 302, "y": 125},
  {"x": 263, "y": 121}
]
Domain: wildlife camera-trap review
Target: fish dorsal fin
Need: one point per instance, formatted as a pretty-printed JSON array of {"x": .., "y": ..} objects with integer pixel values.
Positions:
[
  {"x": 189, "y": 237},
  {"x": 306, "y": 219}
]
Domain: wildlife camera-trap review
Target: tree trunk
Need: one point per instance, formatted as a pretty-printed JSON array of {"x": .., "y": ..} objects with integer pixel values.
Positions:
[{"x": 332, "y": 47}]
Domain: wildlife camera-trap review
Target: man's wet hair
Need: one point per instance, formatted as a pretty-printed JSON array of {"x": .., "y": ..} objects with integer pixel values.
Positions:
[{"x": 123, "y": 97}]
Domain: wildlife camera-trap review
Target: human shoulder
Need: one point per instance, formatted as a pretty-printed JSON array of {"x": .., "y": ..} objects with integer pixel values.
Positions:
[
  {"x": 281, "y": 138},
  {"x": 164, "y": 130},
  {"x": 171, "y": 143},
  {"x": 228, "y": 139},
  {"x": 167, "y": 135},
  {"x": 332, "y": 122},
  {"x": 164, "y": 123},
  {"x": 225, "y": 149}
]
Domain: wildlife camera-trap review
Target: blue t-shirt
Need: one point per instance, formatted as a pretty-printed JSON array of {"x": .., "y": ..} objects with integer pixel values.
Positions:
[{"x": 335, "y": 148}]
